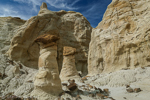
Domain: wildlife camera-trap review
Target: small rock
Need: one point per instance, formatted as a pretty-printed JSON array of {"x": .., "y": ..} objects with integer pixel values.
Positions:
[
  {"x": 71, "y": 81},
  {"x": 61, "y": 93},
  {"x": 80, "y": 74},
  {"x": 100, "y": 90},
  {"x": 136, "y": 90},
  {"x": 99, "y": 95},
  {"x": 91, "y": 95},
  {"x": 72, "y": 86},
  {"x": 87, "y": 89},
  {"x": 143, "y": 67},
  {"x": 68, "y": 92},
  {"x": 111, "y": 98},
  {"x": 127, "y": 86},
  {"x": 106, "y": 91},
  {"x": 129, "y": 89},
  {"x": 95, "y": 88},
  {"x": 84, "y": 78}
]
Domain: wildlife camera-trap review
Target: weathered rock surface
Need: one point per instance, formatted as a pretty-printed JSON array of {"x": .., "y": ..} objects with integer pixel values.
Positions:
[
  {"x": 47, "y": 84},
  {"x": 8, "y": 26},
  {"x": 72, "y": 27},
  {"x": 17, "y": 79},
  {"x": 69, "y": 70},
  {"x": 122, "y": 38}
]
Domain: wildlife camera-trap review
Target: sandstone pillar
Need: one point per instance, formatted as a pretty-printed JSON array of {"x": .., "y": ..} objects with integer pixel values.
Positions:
[
  {"x": 47, "y": 84},
  {"x": 69, "y": 70}
]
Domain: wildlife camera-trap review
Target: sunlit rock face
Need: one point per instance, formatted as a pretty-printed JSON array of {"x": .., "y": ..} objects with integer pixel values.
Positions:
[
  {"x": 122, "y": 38},
  {"x": 72, "y": 27}
]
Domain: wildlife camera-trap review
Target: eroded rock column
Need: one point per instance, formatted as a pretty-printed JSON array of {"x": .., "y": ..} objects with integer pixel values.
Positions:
[
  {"x": 69, "y": 70},
  {"x": 47, "y": 84}
]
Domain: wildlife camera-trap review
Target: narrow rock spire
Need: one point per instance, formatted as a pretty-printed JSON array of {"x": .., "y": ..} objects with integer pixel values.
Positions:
[{"x": 44, "y": 5}]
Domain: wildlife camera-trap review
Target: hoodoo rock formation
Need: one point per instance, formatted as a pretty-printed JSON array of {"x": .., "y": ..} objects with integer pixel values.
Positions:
[
  {"x": 48, "y": 50},
  {"x": 69, "y": 70},
  {"x": 47, "y": 84},
  {"x": 72, "y": 27},
  {"x": 122, "y": 38}
]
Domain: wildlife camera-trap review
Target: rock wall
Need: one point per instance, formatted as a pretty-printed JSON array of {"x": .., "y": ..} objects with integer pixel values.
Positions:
[
  {"x": 72, "y": 28},
  {"x": 122, "y": 38},
  {"x": 8, "y": 26}
]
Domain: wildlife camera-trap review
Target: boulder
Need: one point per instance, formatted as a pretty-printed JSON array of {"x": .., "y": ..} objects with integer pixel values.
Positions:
[
  {"x": 129, "y": 89},
  {"x": 136, "y": 90}
]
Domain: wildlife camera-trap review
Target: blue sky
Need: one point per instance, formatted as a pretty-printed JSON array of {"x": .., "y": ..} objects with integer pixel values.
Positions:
[{"x": 93, "y": 10}]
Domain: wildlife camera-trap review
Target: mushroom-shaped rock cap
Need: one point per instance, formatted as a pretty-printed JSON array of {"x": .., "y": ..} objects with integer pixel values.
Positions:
[
  {"x": 47, "y": 38},
  {"x": 69, "y": 51},
  {"x": 44, "y": 5}
]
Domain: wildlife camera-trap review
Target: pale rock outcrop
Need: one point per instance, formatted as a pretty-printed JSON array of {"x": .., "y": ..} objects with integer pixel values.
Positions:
[
  {"x": 8, "y": 26},
  {"x": 69, "y": 70},
  {"x": 47, "y": 84},
  {"x": 16, "y": 79},
  {"x": 122, "y": 38},
  {"x": 72, "y": 27}
]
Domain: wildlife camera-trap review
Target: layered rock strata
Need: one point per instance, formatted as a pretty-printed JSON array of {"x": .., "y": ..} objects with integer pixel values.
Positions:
[
  {"x": 47, "y": 84},
  {"x": 72, "y": 27},
  {"x": 122, "y": 38},
  {"x": 69, "y": 70}
]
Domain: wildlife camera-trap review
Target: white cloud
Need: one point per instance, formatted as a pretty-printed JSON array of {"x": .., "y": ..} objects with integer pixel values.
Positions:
[
  {"x": 31, "y": 2},
  {"x": 8, "y": 10},
  {"x": 62, "y": 4},
  {"x": 26, "y": 8},
  {"x": 59, "y": 4}
]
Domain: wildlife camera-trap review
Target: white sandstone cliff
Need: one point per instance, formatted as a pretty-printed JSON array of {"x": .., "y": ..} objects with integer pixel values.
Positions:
[{"x": 122, "y": 38}]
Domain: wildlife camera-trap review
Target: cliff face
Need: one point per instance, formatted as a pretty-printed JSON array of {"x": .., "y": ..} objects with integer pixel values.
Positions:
[
  {"x": 8, "y": 25},
  {"x": 72, "y": 28},
  {"x": 122, "y": 38}
]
